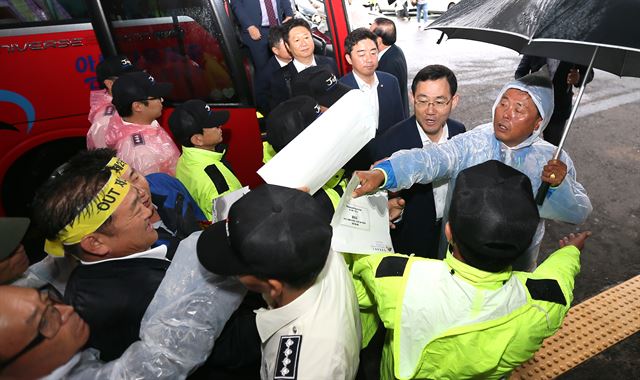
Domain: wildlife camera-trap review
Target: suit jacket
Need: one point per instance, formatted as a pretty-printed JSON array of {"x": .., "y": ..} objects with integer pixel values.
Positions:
[
  {"x": 249, "y": 12},
  {"x": 394, "y": 63},
  {"x": 562, "y": 92},
  {"x": 263, "y": 84},
  {"x": 417, "y": 232},
  {"x": 389, "y": 101},
  {"x": 112, "y": 298},
  {"x": 280, "y": 91}
]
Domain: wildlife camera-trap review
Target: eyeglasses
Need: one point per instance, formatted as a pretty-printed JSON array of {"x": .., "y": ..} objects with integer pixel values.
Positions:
[
  {"x": 49, "y": 324},
  {"x": 438, "y": 104}
]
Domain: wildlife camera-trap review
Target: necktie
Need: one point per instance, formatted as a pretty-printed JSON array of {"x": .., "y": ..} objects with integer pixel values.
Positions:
[{"x": 271, "y": 14}]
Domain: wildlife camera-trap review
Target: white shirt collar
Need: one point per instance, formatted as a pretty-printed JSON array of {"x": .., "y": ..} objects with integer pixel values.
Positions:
[
  {"x": 381, "y": 52},
  {"x": 364, "y": 85},
  {"x": 270, "y": 321},
  {"x": 426, "y": 140},
  {"x": 301, "y": 66},
  {"x": 281, "y": 62},
  {"x": 159, "y": 252}
]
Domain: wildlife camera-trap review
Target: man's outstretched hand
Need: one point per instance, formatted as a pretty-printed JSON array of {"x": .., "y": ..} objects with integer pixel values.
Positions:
[
  {"x": 370, "y": 181},
  {"x": 575, "y": 239}
]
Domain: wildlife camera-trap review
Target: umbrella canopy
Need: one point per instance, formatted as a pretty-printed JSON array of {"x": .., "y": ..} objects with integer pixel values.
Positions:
[{"x": 566, "y": 30}]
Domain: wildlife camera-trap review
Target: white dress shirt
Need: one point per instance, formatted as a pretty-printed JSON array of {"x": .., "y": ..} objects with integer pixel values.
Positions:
[
  {"x": 159, "y": 252},
  {"x": 301, "y": 66},
  {"x": 439, "y": 187},
  {"x": 318, "y": 335},
  {"x": 371, "y": 91}
]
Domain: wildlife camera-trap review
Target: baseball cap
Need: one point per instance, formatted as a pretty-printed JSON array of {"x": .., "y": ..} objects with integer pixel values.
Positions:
[
  {"x": 137, "y": 86},
  {"x": 319, "y": 83},
  {"x": 12, "y": 231},
  {"x": 493, "y": 215},
  {"x": 113, "y": 66},
  {"x": 271, "y": 232},
  {"x": 191, "y": 117},
  {"x": 289, "y": 118}
]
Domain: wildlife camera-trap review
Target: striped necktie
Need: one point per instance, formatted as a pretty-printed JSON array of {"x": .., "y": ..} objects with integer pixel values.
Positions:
[{"x": 271, "y": 14}]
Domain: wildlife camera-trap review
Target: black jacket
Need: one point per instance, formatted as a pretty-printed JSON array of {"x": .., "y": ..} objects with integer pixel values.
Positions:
[
  {"x": 112, "y": 298},
  {"x": 417, "y": 232},
  {"x": 283, "y": 78},
  {"x": 394, "y": 63}
]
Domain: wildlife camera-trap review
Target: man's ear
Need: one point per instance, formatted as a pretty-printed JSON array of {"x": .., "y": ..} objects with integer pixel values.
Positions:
[
  {"x": 454, "y": 101},
  {"x": 348, "y": 57},
  {"x": 108, "y": 83},
  {"x": 275, "y": 288},
  {"x": 137, "y": 106},
  {"x": 538, "y": 123},
  {"x": 447, "y": 232},
  {"x": 196, "y": 139},
  {"x": 94, "y": 244}
]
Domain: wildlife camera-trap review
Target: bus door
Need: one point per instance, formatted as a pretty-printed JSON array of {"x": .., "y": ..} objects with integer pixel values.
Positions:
[{"x": 192, "y": 45}]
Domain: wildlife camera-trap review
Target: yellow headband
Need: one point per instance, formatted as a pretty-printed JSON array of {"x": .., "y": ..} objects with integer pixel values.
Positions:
[{"x": 95, "y": 213}]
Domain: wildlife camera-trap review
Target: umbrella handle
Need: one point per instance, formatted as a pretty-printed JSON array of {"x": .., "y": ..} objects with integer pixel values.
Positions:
[
  {"x": 542, "y": 193},
  {"x": 544, "y": 188}
]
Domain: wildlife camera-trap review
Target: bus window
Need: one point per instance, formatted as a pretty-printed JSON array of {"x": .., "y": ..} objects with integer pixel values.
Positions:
[
  {"x": 31, "y": 11},
  {"x": 175, "y": 42}
]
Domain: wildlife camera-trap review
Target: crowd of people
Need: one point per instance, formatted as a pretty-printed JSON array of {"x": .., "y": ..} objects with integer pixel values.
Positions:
[{"x": 142, "y": 281}]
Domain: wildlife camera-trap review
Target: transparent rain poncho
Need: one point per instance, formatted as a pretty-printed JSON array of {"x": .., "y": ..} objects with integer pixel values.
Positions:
[
  {"x": 147, "y": 148},
  {"x": 100, "y": 112},
  {"x": 177, "y": 333},
  {"x": 567, "y": 203}
]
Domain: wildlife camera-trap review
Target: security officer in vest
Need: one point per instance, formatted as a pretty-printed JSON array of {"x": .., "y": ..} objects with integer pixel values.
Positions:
[
  {"x": 470, "y": 315},
  {"x": 202, "y": 167},
  {"x": 284, "y": 124}
]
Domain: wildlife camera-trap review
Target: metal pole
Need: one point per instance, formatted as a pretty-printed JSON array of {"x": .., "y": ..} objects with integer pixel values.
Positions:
[
  {"x": 567, "y": 125},
  {"x": 544, "y": 187}
]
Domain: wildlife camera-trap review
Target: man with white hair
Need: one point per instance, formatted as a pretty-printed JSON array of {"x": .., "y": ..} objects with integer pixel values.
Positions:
[{"x": 522, "y": 110}]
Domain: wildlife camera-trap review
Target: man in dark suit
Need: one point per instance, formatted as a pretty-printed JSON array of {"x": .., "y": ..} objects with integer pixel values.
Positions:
[
  {"x": 390, "y": 57},
  {"x": 255, "y": 18},
  {"x": 361, "y": 53},
  {"x": 299, "y": 42},
  {"x": 434, "y": 97},
  {"x": 565, "y": 75},
  {"x": 281, "y": 57}
]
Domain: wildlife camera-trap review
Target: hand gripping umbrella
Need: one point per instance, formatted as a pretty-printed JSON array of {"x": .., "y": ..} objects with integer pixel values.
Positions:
[{"x": 602, "y": 34}]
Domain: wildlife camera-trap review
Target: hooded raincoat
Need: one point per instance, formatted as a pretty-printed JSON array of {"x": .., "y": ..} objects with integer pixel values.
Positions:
[
  {"x": 100, "y": 113},
  {"x": 148, "y": 148},
  {"x": 567, "y": 202}
]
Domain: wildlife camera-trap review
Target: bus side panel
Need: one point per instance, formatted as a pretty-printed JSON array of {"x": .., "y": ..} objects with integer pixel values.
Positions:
[{"x": 49, "y": 76}]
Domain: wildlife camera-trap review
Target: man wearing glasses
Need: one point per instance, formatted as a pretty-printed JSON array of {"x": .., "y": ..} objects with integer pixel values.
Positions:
[
  {"x": 520, "y": 113},
  {"x": 434, "y": 97},
  {"x": 38, "y": 333}
]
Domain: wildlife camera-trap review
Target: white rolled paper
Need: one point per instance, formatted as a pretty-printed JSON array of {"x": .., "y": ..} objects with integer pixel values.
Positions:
[{"x": 317, "y": 153}]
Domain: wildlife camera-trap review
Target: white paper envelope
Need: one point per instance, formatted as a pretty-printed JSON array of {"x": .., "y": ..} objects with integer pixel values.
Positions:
[
  {"x": 361, "y": 225},
  {"x": 221, "y": 205},
  {"x": 317, "y": 153}
]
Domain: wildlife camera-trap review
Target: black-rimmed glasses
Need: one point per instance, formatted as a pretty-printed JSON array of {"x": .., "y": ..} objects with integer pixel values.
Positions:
[{"x": 49, "y": 324}]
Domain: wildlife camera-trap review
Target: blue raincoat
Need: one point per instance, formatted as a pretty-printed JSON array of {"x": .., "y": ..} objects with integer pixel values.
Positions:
[{"x": 567, "y": 202}]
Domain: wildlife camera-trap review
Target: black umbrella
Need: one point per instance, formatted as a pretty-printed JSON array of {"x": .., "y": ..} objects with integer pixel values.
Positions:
[{"x": 595, "y": 33}]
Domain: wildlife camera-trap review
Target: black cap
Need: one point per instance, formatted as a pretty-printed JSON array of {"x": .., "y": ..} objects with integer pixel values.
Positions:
[
  {"x": 273, "y": 232},
  {"x": 190, "y": 117},
  {"x": 12, "y": 231},
  {"x": 289, "y": 118},
  {"x": 493, "y": 215},
  {"x": 113, "y": 66},
  {"x": 135, "y": 87},
  {"x": 319, "y": 83}
]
